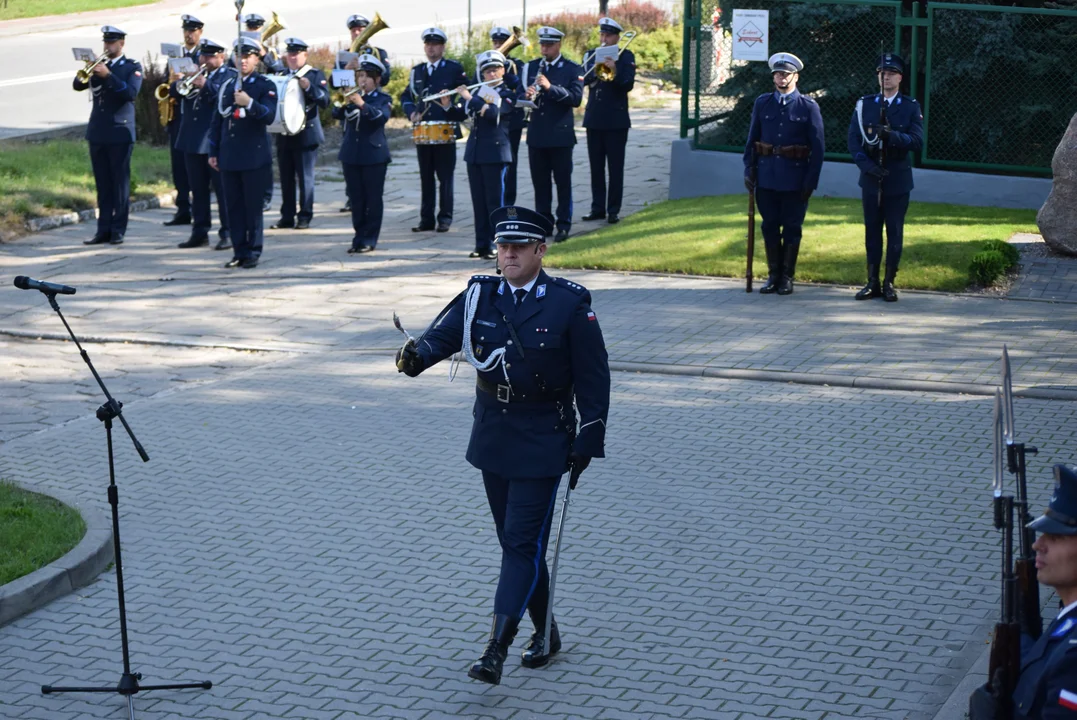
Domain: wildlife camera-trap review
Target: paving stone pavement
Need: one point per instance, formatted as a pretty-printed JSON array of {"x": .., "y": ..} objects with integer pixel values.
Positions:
[
  {"x": 309, "y": 537},
  {"x": 1047, "y": 278}
]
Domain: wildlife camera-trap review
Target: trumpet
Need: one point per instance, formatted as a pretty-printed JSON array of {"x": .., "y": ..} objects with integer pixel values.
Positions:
[
  {"x": 186, "y": 86},
  {"x": 452, "y": 91},
  {"x": 83, "y": 74},
  {"x": 602, "y": 72},
  {"x": 340, "y": 99}
]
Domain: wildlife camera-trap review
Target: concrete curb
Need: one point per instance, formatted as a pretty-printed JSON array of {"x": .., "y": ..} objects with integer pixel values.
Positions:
[
  {"x": 51, "y": 222},
  {"x": 76, "y": 569},
  {"x": 148, "y": 341}
]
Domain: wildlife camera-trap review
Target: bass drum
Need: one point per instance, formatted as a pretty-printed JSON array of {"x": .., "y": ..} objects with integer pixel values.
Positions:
[{"x": 291, "y": 112}]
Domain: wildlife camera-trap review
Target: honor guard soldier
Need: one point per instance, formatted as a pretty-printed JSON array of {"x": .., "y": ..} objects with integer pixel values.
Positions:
[
  {"x": 192, "y": 40},
  {"x": 111, "y": 134},
  {"x": 296, "y": 154},
  {"x": 488, "y": 153},
  {"x": 882, "y": 131},
  {"x": 356, "y": 25},
  {"x": 428, "y": 78},
  {"x": 239, "y": 149},
  {"x": 606, "y": 121},
  {"x": 785, "y": 145},
  {"x": 517, "y": 119},
  {"x": 198, "y": 95},
  {"x": 364, "y": 152},
  {"x": 556, "y": 90},
  {"x": 537, "y": 346}
]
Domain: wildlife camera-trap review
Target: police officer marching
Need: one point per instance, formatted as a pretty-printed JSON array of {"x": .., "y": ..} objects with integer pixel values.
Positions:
[
  {"x": 439, "y": 160},
  {"x": 517, "y": 118},
  {"x": 198, "y": 106},
  {"x": 239, "y": 149},
  {"x": 556, "y": 90},
  {"x": 883, "y": 129},
  {"x": 536, "y": 346},
  {"x": 488, "y": 153},
  {"x": 364, "y": 152},
  {"x": 192, "y": 39},
  {"x": 110, "y": 134},
  {"x": 785, "y": 143},
  {"x": 296, "y": 154},
  {"x": 606, "y": 122}
]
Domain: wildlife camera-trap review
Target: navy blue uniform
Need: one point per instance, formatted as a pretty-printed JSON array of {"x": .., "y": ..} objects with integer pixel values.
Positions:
[
  {"x": 524, "y": 429},
  {"x": 435, "y": 160},
  {"x": 488, "y": 155},
  {"x": 516, "y": 120},
  {"x": 551, "y": 137},
  {"x": 197, "y": 111},
  {"x": 606, "y": 122},
  {"x": 111, "y": 136},
  {"x": 907, "y": 133},
  {"x": 1047, "y": 687},
  {"x": 179, "y": 162},
  {"x": 297, "y": 153},
  {"x": 364, "y": 156},
  {"x": 241, "y": 146},
  {"x": 783, "y": 181},
  {"x": 384, "y": 57}
]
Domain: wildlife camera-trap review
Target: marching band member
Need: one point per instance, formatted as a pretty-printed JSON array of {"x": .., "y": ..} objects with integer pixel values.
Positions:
[
  {"x": 192, "y": 37},
  {"x": 111, "y": 134},
  {"x": 488, "y": 152},
  {"x": 239, "y": 149},
  {"x": 296, "y": 154},
  {"x": 517, "y": 119},
  {"x": 198, "y": 108},
  {"x": 356, "y": 25},
  {"x": 557, "y": 89},
  {"x": 606, "y": 122},
  {"x": 429, "y": 77},
  {"x": 364, "y": 153}
]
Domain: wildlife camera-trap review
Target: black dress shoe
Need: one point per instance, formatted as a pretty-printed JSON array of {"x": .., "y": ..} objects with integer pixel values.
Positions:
[
  {"x": 561, "y": 236},
  {"x": 249, "y": 264},
  {"x": 442, "y": 227},
  {"x": 266, "y": 204},
  {"x": 535, "y": 655},
  {"x": 347, "y": 207},
  {"x": 594, "y": 216},
  {"x": 194, "y": 241},
  {"x": 613, "y": 219},
  {"x": 770, "y": 286},
  {"x": 116, "y": 239},
  {"x": 234, "y": 262},
  {"x": 889, "y": 293},
  {"x": 422, "y": 228},
  {"x": 282, "y": 225},
  {"x": 489, "y": 255},
  {"x": 302, "y": 224},
  {"x": 223, "y": 244},
  {"x": 869, "y": 291},
  {"x": 179, "y": 219},
  {"x": 785, "y": 287},
  {"x": 360, "y": 249},
  {"x": 96, "y": 240},
  {"x": 488, "y": 667}
]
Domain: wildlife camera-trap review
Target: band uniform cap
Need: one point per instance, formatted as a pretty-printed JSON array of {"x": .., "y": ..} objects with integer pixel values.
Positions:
[
  {"x": 609, "y": 25},
  {"x": 434, "y": 35},
  {"x": 785, "y": 62},
  {"x": 891, "y": 62},
  {"x": 208, "y": 47},
  {"x": 111, "y": 33},
  {"x": 490, "y": 58},
  {"x": 358, "y": 20},
  {"x": 499, "y": 32},
  {"x": 254, "y": 19},
  {"x": 1060, "y": 517},
  {"x": 190, "y": 22},
  {"x": 519, "y": 226},
  {"x": 371, "y": 63},
  {"x": 294, "y": 44},
  {"x": 547, "y": 34},
  {"x": 247, "y": 46}
]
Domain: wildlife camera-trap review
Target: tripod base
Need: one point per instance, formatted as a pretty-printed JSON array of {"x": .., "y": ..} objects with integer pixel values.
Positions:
[{"x": 128, "y": 686}]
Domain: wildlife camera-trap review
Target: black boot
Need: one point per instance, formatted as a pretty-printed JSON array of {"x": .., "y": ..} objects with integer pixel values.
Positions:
[
  {"x": 789, "y": 268},
  {"x": 774, "y": 270},
  {"x": 889, "y": 294},
  {"x": 535, "y": 654},
  {"x": 488, "y": 667},
  {"x": 871, "y": 290}
]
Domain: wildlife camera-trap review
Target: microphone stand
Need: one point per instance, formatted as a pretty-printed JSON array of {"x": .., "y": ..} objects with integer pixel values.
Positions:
[{"x": 112, "y": 409}]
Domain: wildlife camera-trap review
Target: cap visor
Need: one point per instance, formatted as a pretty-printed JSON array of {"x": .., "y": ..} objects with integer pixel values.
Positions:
[{"x": 1050, "y": 526}]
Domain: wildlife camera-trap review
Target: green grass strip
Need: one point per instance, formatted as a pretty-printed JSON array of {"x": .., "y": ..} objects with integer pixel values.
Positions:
[
  {"x": 13, "y": 9},
  {"x": 34, "y": 531},
  {"x": 708, "y": 236}
]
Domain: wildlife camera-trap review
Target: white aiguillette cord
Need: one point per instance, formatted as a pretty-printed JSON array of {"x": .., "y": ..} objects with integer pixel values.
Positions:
[{"x": 471, "y": 303}]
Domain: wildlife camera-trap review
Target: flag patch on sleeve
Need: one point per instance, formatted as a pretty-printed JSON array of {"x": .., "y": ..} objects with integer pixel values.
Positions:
[
  {"x": 1067, "y": 699},
  {"x": 591, "y": 316}
]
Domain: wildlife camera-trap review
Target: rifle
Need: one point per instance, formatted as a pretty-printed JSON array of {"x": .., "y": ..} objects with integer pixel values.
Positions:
[
  {"x": 1028, "y": 587},
  {"x": 751, "y": 222}
]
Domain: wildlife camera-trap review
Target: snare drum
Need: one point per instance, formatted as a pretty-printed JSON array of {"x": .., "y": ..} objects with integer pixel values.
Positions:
[
  {"x": 434, "y": 133},
  {"x": 291, "y": 111}
]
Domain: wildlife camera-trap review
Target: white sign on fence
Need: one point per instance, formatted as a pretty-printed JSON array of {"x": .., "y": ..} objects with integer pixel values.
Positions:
[{"x": 751, "y": 34}]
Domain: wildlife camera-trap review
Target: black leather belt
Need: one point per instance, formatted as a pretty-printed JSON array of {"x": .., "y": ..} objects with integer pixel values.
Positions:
[{"x": 505, "y": 394}]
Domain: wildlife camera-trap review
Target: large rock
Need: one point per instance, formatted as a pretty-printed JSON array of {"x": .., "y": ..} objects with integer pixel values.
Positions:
[{"x": 1058, "y": 216}]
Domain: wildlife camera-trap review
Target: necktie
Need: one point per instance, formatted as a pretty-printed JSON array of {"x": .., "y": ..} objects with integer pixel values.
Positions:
[
  {"x": 520, "y": 295},
  {"x": 545, "y": 67},
  {"x": 430, "y": 69}
]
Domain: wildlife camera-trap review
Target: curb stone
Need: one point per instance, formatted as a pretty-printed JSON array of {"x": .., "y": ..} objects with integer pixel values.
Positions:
[
  {"x": 51, "y": 222},
  {"x": 76, "y": 569}
]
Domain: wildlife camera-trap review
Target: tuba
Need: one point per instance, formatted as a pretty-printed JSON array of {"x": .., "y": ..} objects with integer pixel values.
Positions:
[
  {"x": 518, "y": 38},
  {"x": 361, "y": 44},
  {"x": 274, "y": 26}
]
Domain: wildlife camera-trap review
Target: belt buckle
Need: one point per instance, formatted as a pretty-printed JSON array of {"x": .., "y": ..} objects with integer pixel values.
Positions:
[{"x": 503, "y": 392}]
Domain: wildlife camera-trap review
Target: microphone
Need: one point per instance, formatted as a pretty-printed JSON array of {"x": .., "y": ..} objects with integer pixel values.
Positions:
[{"x": 24, "y": 283}]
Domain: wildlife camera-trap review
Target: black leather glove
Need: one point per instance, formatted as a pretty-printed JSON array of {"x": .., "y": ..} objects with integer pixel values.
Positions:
[
  {"x": 884, "y": 132},
  {"x": 577, "y": 464},
  {"x": 749, "y": 185},
  {"x": 878, "y": 172},
  {"x": 408, "y": 360},
  {"x": 805, "y": 194}
]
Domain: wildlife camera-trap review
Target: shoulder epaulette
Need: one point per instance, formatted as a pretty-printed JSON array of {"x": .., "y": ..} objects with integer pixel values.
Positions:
[
  {"x": 578, "y": 289},
  {"x": 484, "y": 278},
  {"x": 809, "y": 99}
]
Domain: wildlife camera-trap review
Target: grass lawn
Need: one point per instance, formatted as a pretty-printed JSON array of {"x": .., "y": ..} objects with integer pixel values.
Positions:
[
  {"x": 46, "y": 178},
  {"x": 34, "y": 531},
  {"x": 12, "y": 9},
  {"x": 708, "y": 236}
]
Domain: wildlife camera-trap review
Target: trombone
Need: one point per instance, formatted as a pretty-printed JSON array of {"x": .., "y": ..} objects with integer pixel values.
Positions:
[
  {"x": 601, "y": 71},
  {"x": 83, "y": 74},
  {"x": 452, "y": 91}
]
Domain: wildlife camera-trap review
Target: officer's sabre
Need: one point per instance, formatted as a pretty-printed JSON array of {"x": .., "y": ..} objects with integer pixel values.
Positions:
[
  {"x": 574, "y": 478},
  {"x": 396, "y": 321}
]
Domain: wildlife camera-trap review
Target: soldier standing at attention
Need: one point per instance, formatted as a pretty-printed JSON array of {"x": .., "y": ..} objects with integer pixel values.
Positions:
[
  {"x": 882, "y": 131},
  {"x": 537, "y": 347},
  {"x": 606, "y": 122},
  {"x": 785, "y": 142},
  {"x": 111, "y": 135}
]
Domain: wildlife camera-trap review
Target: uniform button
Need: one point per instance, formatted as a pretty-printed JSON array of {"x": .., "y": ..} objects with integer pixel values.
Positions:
[
  {"x": 504, "y": 411},
  {"x": 509, "y": 342},
  {"x": 482, "y": 337},
  {"x": 542, "y": 344},
  {"x": 508, "y": 366}
]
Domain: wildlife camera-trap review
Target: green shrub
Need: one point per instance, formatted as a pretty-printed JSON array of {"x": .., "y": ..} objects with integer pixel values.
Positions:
[
  {"x": 987, "y": 267},
  {"x": 1008, "y": 251}
]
